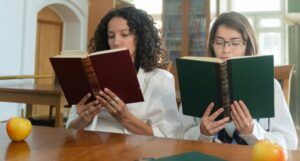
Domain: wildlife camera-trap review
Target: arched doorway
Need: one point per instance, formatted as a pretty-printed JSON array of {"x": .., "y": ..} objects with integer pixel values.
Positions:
[
  {"x": 58, "y": 27},
  {"x": 48, "y": 43}
]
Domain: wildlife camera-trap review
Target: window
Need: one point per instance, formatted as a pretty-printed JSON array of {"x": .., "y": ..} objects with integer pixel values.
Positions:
[
  {"x": 270, "y": 22},
  {"x": 270, "y": 43},
  {"x": 153, "y": 8},
  {"x": 256, "y": 5},
  {"x": 266, "y": 19}
]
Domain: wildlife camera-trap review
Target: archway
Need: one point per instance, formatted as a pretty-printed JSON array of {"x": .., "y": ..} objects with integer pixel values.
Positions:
[{"x": 58, "y": 28}]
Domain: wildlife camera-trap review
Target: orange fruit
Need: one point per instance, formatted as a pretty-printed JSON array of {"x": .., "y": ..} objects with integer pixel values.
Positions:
[
  {"x": 18, "y": 128},
  {"x": 265, "y": 150}
]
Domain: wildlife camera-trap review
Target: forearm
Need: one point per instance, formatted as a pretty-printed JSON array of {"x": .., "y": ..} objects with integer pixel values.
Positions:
[
  {"x": 136, "y": 126},
  {"x": 276, "y": 135},
  {"x": 78, "y": 123}
]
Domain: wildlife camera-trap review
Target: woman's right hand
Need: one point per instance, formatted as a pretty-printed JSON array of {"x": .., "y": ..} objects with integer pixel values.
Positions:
[
  {"x": 208, "y": 125},
  {"x": 89, "y": 110}
]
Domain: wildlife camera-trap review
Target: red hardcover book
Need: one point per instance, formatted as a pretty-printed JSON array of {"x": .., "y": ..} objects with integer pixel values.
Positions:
[{"x": 112, "y": 69}]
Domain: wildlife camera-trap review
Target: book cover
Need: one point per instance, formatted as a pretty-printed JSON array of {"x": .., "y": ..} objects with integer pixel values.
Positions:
[
  {"x": 112, "y": 69},
  {"x": 203, "y": 80},
  {"x": 190, "y": 156}
]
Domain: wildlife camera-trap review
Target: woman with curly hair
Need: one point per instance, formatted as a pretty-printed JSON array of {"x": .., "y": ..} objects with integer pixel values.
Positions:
[{"x": 157, "y": 115}]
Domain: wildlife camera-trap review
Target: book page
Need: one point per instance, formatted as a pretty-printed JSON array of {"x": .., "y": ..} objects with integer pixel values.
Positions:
[
  {"x": 207, "y": 59},
  {"x": 72, "y": 54},
  {"x": 107, "y": 51},
  {"x": 245, "y": 57}
]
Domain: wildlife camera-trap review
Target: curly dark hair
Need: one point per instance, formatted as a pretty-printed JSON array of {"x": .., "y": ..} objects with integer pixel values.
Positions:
[
  {"x": 238, "y": 22},
  {"x": 148, "y": 46}
]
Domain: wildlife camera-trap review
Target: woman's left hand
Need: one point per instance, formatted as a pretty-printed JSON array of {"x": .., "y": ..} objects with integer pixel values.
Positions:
[
  {"x": 241, "y": 118},
  {"x": 113, "y": 104},
  {"x": 118, "y": 109}
]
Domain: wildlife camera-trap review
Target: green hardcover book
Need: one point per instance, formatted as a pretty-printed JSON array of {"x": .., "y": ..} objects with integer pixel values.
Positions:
[
  {"x": 203, "y": 80},
  {"x": 190, "y": 156}
]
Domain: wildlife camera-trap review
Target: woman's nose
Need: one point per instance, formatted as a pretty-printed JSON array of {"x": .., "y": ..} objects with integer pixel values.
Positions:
[
  {"x": 117, "y": 41},
  {"x": 226, "y": 49}
]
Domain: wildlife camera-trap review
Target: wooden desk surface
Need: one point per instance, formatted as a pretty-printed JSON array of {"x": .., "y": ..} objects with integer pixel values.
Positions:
[
  {"x": 51, "y": 144},
  {"x": 31, "y": 93}
]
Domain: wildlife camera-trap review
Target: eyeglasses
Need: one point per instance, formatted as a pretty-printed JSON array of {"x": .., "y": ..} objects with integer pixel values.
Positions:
[{"x": 235, "y": 43}]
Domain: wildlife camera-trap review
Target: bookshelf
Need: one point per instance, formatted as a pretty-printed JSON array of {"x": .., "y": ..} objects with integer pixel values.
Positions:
[{"x": 185, "y": 28}]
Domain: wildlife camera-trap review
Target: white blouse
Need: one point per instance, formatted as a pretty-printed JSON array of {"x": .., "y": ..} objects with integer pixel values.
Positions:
[
  {"x": 281, "y": 128},
  {"x": 159, "y": 108}
]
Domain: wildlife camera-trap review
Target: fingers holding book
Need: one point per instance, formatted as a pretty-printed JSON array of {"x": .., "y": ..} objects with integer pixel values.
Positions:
[
  {"x": 89, "y": 110},
  {"x": 241, "y": 117},
  {"x": 84, "y": 100},
  {"x": 208, "y": 124},
  {"x": 112, "y": 103}
]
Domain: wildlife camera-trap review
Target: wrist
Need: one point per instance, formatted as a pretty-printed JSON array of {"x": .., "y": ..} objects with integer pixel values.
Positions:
[
  {"x": 83, "y": 121},
  {"x": 208, "y": 138},
  {"x": 247, "y": 131},
  {"x": 126, "y": 118}
]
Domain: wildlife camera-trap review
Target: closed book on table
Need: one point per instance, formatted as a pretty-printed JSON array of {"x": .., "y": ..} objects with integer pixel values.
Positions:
[
  {"x": 112, "y": 69},
  {"x": 204, "y": 80},
  {"x": 190, "y": 156}
]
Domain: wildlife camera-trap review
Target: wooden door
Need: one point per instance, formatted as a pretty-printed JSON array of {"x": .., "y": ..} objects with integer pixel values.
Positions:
[
  {"x": 48, "y": 43},
  {"x": 97, "y": 10}
]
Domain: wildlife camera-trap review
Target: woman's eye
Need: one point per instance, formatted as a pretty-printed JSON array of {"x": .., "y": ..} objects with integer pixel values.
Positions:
[
  {"x": 236, "y": 43},
  {"x": 125, "y": 35},
  {"x": 219, "y": 42},
  {"x": 111, "y": 36}
]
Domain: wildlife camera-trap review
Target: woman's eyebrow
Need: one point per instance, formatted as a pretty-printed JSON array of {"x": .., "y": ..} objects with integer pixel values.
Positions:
[
  {"x": 125, "y": 29},
  {"x": 234, "y": 38}
]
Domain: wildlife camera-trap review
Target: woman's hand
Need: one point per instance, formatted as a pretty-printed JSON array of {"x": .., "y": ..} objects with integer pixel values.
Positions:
[
  {"x": 114, "y": 105},
  {"x": 208, "y": 125},
  {"x": 118, "y": 109},
  {"x": 88, "y": 111},
  {"x": 242, "y": 118}
]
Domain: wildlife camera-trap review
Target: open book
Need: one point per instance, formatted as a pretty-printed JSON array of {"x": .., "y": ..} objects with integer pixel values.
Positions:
[
  {"x": 112, "y": 69},
  {"x": 204, "y": 80}
]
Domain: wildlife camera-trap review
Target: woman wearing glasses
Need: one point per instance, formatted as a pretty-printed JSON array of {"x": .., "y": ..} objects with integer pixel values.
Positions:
[{"x": 232, "y": 36}]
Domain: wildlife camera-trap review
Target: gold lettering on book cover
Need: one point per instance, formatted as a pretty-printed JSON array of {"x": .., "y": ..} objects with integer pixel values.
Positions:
[
  {"x": 225, "y": 89},
  {"x": 90, "y": 73}
]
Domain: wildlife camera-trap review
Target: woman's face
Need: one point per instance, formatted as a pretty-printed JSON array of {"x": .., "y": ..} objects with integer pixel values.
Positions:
[
  {"x": 228, "y": 43},
  {"x": 119, "y": 36}
]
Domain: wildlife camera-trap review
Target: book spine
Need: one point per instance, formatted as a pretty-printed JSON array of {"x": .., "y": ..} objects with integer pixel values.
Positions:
[
  {"x": 91, "y": 75},
  {"x": 225, "y": 90}
]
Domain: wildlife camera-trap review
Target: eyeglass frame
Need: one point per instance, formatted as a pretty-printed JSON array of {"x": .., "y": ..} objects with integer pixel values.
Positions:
[{"x": 229, "y": 43}]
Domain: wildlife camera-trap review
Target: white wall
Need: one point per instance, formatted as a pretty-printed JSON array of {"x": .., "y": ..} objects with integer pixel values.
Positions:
[
  {"x": 18, "y": 34},
  {"x": 11, "y": 31},
  {"x": 11, "y": 17},
  {"x": 70, "y": 42}
]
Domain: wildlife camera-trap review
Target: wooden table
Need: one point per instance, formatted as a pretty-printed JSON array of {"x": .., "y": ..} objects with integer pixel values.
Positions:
[
  {"x": 55, "y": 144},
  {"x": 31, "y": 93}
]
